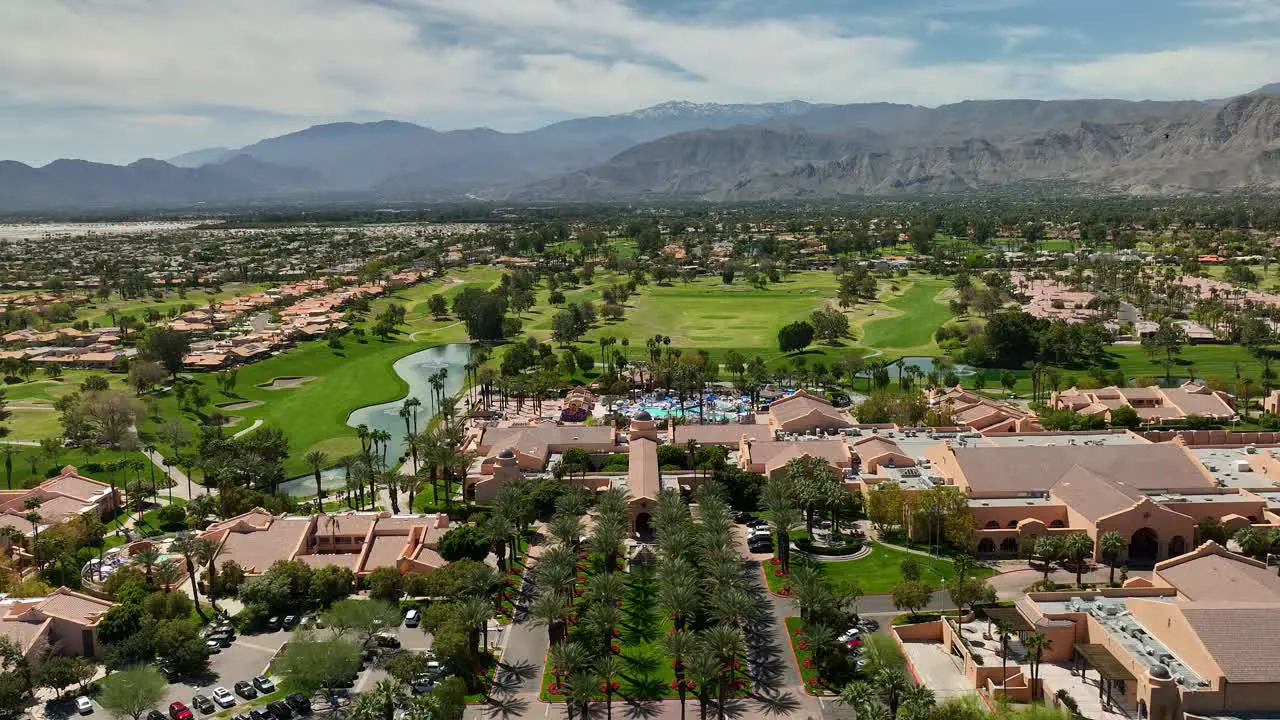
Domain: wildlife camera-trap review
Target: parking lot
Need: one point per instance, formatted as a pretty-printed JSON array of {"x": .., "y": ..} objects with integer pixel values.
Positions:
[{"x": 250, "y": 655}]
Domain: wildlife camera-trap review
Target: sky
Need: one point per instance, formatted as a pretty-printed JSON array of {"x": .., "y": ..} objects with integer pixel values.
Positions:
[{"x": 116, "y": 80}]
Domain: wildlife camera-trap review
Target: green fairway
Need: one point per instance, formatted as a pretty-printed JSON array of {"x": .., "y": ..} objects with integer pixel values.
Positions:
[
  {"x": 33, "y": 424},
  {"x": 313, "y": 415},
  {"x": 912, "y": 318}
]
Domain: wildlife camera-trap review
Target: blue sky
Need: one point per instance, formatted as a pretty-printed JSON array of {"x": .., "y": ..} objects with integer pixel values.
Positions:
[{"x": 115, "y": 80}]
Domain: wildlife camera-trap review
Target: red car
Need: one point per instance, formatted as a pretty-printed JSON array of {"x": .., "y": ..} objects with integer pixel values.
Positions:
[{"x": 179, "y": 711}]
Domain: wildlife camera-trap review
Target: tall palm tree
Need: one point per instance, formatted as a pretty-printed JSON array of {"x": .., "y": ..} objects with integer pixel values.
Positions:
[
  {"x": 858, "y": 695},
  {"x": 704, "y": 669},
  {"x": 551, "y": 609},
  {"x": 194, "y": 552},
  {"x": 167, "y": 574},
  {"x": 1112, "y": 545},
  {"x": 608, "y": 667},
  {"x": 1036, "y": 645},
  {"x": 32, "y": 505},
  {"x": 1004, "y": 631},
  {"x": 581, "y": 690},
  {"x": 317, "y": 459},
  {"x": 147, "y": 557},
  {"x": 726, "y": 644},
  {"x": 891, "y": 683}
]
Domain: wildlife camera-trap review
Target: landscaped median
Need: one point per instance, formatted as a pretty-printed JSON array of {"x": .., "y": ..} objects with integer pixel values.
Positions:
[{"x": 876, "y": 574}]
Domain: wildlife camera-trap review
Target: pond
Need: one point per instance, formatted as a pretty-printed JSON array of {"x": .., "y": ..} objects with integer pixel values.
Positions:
[
  {"x": 926, "y": 365},
  {"x": 416, "y": 370}
]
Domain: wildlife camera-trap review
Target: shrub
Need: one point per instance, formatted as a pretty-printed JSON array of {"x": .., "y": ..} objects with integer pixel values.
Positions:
[
  {"x": 464, "y": 541},
  {"x": 806, "y": 545}
]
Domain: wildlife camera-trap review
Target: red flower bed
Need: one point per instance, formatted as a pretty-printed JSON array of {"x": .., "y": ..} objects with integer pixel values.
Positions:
[
  {"x": 509, "y": 580},
  {"x": 808, "y": 663},
  {"x": 802, "y": 645},
  {"x": 513, "y": 570},
  {"x": 689, "y": 685},
  {"x": 555, "y": 689},
  {"x": 778, "y": 573},
  {"x": 609, "y": 687},
  {"x": 617, "y": 632},
  {"x": 615, "y": 649},
  {"x": 775, "y": 560},
  {"x": 737, "y": 684}
]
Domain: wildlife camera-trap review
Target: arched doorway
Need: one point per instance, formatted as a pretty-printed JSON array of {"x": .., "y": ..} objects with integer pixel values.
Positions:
[
  {"x": 986, "y": 545},
  {"x": 1142, "y": 710},
  {"x": 1177, "y": 546},
  {"x": 1009, "y": 546},
  {"x": 1144, "y": 548},
  {"x": 643, "y": 528}
]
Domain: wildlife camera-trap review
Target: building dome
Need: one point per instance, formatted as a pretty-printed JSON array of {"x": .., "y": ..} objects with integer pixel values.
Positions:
[
  {"x": 506, "y": 454},
  {"x": 643, "y": 416},
  {"x": 1160, "y": 672}
]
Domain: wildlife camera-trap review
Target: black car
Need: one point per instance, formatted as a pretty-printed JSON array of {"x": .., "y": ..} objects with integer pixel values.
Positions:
[
  {"x": 290, "y": 621},
  {"x": 279, "y": 710},
  {"x": 273, "y": 623},
  {"x": 203, "y": 704},
  {"x": 246, "y": 690},
  {"x": 156, "y": 715},
  {"x": 387, "y": 641},
  {"x": 240, "y": 716},
  {"x": 299, "y": 702},
  {"x": 422, "y": 684},
  {"x": 259, "y": 714}
]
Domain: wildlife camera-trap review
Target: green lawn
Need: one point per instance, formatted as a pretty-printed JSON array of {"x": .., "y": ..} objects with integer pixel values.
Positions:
[
  {"x": 314, "y": 414},
  {"x": 878, "y": 572},
  {"x": 912, "y": 318},
  {"x": 30, "y": 467},
  {"x": 32, "y": 424}
]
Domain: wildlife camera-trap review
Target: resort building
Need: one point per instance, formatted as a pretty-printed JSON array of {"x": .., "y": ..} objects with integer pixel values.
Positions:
[
  {"x": 1191, "y": 642},
  {"x": 62, "y": 497},
  {"x": 359, "y": 541},
  {"x": 805, "y": 413},
  {"x": 64, "y": 623},
  {"x": 1154, "y": 405},
  {"x": 979, "y": 413}
]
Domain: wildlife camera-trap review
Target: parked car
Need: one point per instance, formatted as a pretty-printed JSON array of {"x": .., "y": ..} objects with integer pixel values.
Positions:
[
  {"x": 870, "y": 625},
  {"x": 422, "y": 684},
  {"x": 203, "y": 704},
  {"x": 412, "y": 618},
  {"x": 240, "y": 716},
  {"x": 84, "y": 705},
  {"x": 223, "y": 697},
  {"x": 279, "y": 710},
  {"x": 264, "y": 684},
  {"x": 155, "y": 715},
  {"x": 433, "y": 668},
  {"x": 273, "y": 623},
  {"x": 179, "y": 711},
  {"x": 386, "y": 640},
  {"x": 298, "y": 702},
  {"x": 260, "y": 714},
  {"x": 290, "y": 621},
  {"x": 214, "y": 646},
  {"x": 850, "y": 634},
  {"x": 246, "y": 690}
]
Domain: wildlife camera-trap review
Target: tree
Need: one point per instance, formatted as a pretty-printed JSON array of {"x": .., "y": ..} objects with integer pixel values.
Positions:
[
  {"x": 1112, "y": 545},
  {"x": 131, "y": 693},
  {"x": 911, "y": 595},
  {"x": 462, "y": 542},
  {"x": 1167, "y": 340},
  {"x": 331, "y": 583},
  {"x": 144, "y": 375},
  {"x": 59, "y": 672},
  {"x": 795, "y": 337},
  {"x": 1048, "y": 549},
  {"x": 9, "y": 452},
  {"x": 437, "y": 305},
  {"x": 311, "y": 664},
  {"x": 361, "y": 619},
  {"x": 317, "y": 459},
  {"x": 385, "y": 583},
  {"x": 165, "y": 346},
  {"x": 1125, "y": 417},
  {"x": 1077, "y": 548},
  {"x": 1035, "y": 646}
]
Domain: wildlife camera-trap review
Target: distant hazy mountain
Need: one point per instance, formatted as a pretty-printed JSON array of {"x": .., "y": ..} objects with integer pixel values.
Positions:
[
  {"x": 196, "y": 158},
  {"x": 689, "y": 150},
  {"x": 1233, "y": 147}
]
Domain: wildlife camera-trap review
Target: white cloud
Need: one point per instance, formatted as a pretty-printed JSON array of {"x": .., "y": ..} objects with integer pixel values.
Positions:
[
  {"x": 1014, "y": 36},
  {"x": 197, "y": 70},
  {"x": 1242, "y": 12},
  {"x": 1193, "y": 72}
]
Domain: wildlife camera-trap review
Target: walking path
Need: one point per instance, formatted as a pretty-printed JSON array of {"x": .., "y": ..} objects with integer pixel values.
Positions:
[
  {"x": 181, "y": 489},
  {"x": 256, "y": 424}
]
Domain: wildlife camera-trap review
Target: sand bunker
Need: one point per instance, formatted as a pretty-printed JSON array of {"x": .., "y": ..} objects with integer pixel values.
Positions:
[
  {"x": 229, "y": 420},
  {"x": 242, "y": 405},
  {"x": 284, "y": 383}
]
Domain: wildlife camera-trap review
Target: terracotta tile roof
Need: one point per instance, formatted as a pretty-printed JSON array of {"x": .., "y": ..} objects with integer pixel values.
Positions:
[
  {"x": 720, "y": 434},
  {"x": 1037, "y": 468},
  {"x": 1238, "y": 636},
  {"x": 642, "y": 470},
  {"x": 384, "y": 551},
  {"x": 350, "y": 561},
  {"x": 1093, "y": 495},
  {"x": 1215, "y": 577},
  {"x": 82, "y": 609},
  {"x": 74, "y": 485}
]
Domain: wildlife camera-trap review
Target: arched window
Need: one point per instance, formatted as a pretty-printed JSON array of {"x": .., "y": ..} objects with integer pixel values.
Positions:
[
  {"x": 1009, "y": 545},
  {"x": 1057, "y": 524},
  {"x": 1012, "y": 524},
  {"x": 993, "y": 525},
  {"x": 986, "y": 545}
]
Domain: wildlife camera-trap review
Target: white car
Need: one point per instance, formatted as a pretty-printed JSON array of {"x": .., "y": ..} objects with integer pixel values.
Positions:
[
  {"x": 223, "y": 697},
  {"x": 850, "y": 635},
  {"x": 84, "y": 705}
]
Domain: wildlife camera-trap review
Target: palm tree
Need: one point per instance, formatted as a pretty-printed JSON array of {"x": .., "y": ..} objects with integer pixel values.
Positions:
[
  {"x": 608, "y": 667},
  {"x": 551, "y": 609},
  {"x": 727, "y": 646},
  {"x": 1004, "y": 631},
  {"x": 317, "y": 460},
  {"x": 195, "y": 552},
  {"x": 891, "y": 683},
  {"x": 1078, "y": 547},
  {"x": 581, "y": 690},
  {"x": 678, "y": 645},
  {"x": 147, "y": 557},
  {"x": 678, "y": 594},
  {"x": 1036, "y": 645},
  {"x": 918, "y": 703},
  {"x": 703, "y": 668},
  {"x": 858, "y": 695},
  {"x": 32, "y": 505},
  {"x": 783, "y": 517},
  {"x": 1112, "y": 545},
  {"x": 167, "y": 574}
]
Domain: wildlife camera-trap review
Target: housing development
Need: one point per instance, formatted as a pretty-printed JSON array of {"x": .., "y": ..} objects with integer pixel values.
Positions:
[{"x": 745, "y": 462}]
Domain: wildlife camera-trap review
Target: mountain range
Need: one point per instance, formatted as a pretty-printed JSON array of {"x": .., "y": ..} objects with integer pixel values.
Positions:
[{"x": 689, "y": 151}]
